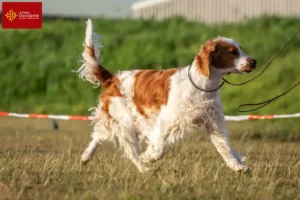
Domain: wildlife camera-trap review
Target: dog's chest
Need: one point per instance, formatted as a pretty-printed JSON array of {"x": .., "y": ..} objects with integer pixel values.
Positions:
[{"x": 195, "y": 114}]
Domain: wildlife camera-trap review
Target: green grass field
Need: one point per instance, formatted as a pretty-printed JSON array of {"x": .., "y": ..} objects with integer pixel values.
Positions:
[
  {"x": 36, "y": 64},
  {"x": 39, "y": 163}
]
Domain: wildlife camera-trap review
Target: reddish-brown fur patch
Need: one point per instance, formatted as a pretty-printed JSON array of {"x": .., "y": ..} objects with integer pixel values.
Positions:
[
  {"x": 203, "y": 58},
  {"x": 109, "y": 81},
  {"x": 151, "y": 88},
  {"x": 102, "y": 74},
  {"x": 215, "y": 53},
  {"x": 112, "y": 90},
  {"x": 225, "y": 55}
]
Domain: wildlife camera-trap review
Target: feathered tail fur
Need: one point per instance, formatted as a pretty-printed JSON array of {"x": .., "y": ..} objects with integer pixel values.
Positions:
[{"x": 91, "y": 68}]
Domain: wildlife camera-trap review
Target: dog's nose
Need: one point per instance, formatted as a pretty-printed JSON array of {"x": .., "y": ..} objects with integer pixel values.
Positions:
[{"x": 252, "y": 62}]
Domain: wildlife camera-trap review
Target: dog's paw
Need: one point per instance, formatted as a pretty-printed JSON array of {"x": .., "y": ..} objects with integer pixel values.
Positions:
[
  {"x": 243, "y": 159},
  {"x": 145, "y": 158},
  {"x": 243, "y": 169},
  {"x": 144, "y": 170},
  {"x": 84, "y": 162}
]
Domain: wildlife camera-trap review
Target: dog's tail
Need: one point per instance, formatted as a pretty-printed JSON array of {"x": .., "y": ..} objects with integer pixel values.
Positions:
[{"x": 91, "y": 68}]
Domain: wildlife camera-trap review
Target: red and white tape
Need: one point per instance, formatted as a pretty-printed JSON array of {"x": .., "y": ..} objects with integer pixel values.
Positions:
[
  {"x": 84, "y": 118},
  {"x": 45, "y": 116},
  {"x": 256, "y": 117}
]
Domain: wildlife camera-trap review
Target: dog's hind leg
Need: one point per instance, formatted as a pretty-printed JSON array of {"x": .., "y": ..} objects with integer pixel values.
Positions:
[
  {"x": 156, "y": 139},
  {"x": 100, "y": 135},
  {"x": 127, "y": 133},
  {"x": 129, "y": 141},
  {"x": 89, "y": 152}
]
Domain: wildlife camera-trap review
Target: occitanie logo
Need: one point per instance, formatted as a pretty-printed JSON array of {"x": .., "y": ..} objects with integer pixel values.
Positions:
[
  {"x": 11, "y": 15},
  {"x": 22, "y": 15}
]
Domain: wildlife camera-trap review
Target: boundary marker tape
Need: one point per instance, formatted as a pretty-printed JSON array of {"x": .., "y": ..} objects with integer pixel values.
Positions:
[{"x": 85, "y": 118}]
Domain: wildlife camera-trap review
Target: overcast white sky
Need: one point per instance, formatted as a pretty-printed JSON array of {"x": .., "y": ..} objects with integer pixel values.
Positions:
[{"x": 107, "y": 8}]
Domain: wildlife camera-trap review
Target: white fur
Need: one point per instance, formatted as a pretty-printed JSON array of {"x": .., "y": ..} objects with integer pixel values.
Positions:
[
  {"x": 186, "y": 105},
  {"x": 91, "y": 40}
]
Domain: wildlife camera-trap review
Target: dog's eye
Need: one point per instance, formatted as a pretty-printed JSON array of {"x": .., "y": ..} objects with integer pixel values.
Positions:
[{"x": 233, "y": 52}]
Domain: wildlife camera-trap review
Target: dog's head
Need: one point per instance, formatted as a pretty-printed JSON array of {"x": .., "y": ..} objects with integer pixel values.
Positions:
[{"x": 225, "y": 56}]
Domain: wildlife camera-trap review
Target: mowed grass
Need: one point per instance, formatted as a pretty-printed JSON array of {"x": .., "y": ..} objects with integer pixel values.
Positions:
[{"x": 37, "y": 162}]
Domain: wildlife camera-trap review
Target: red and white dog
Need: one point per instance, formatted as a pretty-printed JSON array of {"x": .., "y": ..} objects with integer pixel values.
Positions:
[{"x": 161, "y": 106}]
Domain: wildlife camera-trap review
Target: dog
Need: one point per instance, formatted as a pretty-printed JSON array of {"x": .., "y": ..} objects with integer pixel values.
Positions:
[{"x": 161, "y": 106}]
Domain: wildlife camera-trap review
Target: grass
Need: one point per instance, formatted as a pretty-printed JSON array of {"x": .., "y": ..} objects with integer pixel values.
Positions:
[
  {"x": 39, "y": 163},
  {"x": 36, "y": 64}
]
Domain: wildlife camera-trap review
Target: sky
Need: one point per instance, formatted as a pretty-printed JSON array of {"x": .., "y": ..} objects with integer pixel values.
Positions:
[{"x": 86, "y": 8}]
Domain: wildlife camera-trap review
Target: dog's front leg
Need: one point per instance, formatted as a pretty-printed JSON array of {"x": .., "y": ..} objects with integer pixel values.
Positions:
[{"x": 219, "y": 137}]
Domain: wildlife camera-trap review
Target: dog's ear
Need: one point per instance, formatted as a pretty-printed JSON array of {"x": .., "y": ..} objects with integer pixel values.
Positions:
[{"x": 204, "y": 58}]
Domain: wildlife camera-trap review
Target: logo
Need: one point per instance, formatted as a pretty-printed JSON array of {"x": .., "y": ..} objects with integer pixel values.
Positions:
[
  {"x": 21, "y": 15},
  {"x": 11, "y": 15}
]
